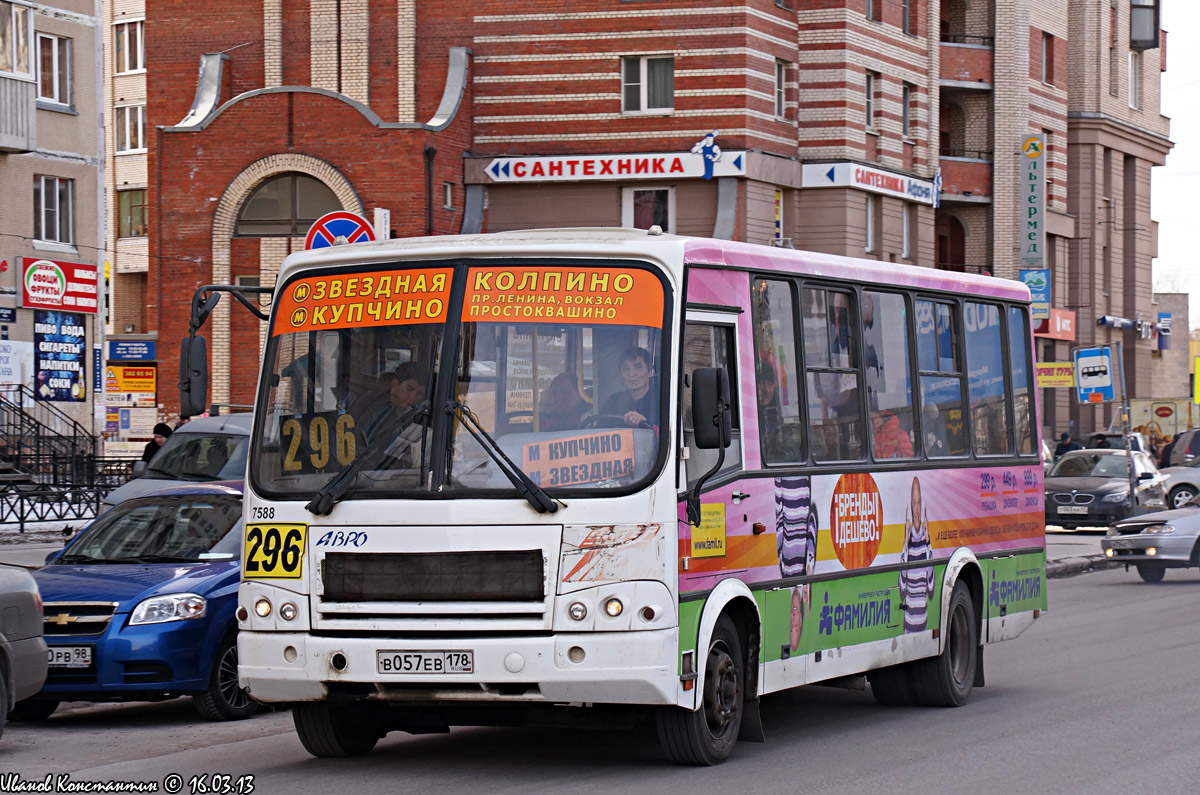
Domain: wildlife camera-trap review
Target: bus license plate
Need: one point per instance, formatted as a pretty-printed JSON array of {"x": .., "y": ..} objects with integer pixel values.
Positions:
[
  {"x": 1072, "y": 509},
  {"x": 69, "y": 656},
  {"x": 425, "y": 662}
]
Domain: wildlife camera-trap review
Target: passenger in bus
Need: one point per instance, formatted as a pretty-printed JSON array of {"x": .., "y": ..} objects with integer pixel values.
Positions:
[
  {"x": 639, "y": 403},
  {"x": 770, "y": 409},
  {"x": 562, "y": 408},
  {"x": 891, "y": 440},
  {"x": 404, "y": 391}
]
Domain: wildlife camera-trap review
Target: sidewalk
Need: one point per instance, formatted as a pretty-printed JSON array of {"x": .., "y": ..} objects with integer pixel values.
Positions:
[{"x": 1071, "y": 552}]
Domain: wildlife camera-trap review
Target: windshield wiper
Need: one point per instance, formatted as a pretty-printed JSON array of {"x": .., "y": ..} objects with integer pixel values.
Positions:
[
  {"x": 531, "y": 491},
  {"x": 78, "y": 559},
  {"x": 333, "y": 491}
]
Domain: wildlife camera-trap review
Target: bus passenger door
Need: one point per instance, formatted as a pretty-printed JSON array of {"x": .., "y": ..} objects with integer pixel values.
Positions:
[{"x": 718, "y": 546}]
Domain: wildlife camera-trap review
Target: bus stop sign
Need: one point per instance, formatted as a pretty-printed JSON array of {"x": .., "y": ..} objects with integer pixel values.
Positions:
[
  {"x": 340, "y": 224},
  {"x": 1094, "y": 375}
]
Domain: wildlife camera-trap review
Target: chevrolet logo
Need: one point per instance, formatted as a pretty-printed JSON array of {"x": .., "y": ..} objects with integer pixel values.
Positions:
[{"x": 62, "y": 619}]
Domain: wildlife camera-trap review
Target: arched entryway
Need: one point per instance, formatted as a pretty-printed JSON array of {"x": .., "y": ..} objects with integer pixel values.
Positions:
[{"x": 274, "y": 199}]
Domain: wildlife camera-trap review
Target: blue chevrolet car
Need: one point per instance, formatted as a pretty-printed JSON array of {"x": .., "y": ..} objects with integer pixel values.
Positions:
[{"x": 140, "y": 605}]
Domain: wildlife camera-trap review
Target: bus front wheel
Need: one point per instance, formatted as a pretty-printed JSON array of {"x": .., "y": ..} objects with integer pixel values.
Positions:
[
  {"x": 335, "y": 730},
  {"x": 706, "y": 736}
]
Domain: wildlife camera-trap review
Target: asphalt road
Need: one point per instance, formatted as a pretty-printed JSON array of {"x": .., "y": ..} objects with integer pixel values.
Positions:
[{"x": 1098, "y": 697}]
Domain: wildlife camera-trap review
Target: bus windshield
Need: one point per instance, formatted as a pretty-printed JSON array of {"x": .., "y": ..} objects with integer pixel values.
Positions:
[{"x": 552, "y": 370}]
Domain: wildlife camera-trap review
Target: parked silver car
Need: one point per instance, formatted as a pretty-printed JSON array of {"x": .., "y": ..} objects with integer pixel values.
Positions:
[
  {"x": 1183, "y": 482},
  {"x": 1155, "y": 542},
  {"x": 207, "y": 449},
  {"x": 23, "y": 656}
]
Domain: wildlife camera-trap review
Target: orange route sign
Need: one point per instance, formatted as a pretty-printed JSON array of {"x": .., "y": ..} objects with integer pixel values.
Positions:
[
  {"x": 376, "y": 298},
  {"x": 562, "y": 294}
]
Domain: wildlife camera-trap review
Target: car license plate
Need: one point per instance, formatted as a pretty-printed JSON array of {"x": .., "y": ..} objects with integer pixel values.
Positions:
[
  {"x": 1121, "y": 544},
  {"x": 70, "y": 656},
  {"x": 425, "y": 662},
  {"x": 1082, "y": 509}
]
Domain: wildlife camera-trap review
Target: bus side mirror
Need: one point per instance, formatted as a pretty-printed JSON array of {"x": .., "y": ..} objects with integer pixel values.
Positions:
[
  {"x": 710, "y": 408},
  {"x": 193, "y": 376}
]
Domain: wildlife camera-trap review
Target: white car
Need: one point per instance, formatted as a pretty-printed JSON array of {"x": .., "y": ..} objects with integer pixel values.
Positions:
[{"x": 1183, "y": 482}]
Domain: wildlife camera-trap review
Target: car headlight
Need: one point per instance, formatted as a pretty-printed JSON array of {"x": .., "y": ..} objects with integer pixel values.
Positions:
[
  {"x": 1159, "y": 529},
  {"x": 172, "y": 607},
  {"x": 1118, "y": 496}
]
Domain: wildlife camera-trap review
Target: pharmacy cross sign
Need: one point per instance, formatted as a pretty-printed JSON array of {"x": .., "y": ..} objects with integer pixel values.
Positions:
[{"x": 340, "y": 224}]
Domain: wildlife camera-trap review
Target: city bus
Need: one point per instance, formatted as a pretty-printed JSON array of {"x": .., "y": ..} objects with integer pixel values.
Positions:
[{"x": 583, "y": 475}]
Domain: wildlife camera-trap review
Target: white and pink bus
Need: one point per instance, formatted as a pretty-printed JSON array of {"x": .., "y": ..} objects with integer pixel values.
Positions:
[{"x": 571, "y": 474}]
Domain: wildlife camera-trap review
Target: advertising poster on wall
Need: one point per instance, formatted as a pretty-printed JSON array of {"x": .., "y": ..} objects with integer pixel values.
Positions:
[
  {"x": 16, "y": 364},
  {"x": 60, "y": 347}
]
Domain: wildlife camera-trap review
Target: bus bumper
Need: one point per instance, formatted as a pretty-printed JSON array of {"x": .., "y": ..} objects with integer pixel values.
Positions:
[{"x": 596, "y": 667}]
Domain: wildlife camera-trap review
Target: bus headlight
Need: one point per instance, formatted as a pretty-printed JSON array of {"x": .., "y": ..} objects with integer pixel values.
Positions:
[
  {"x": 577, "y": 611},
  {"x": 287, "y": 611},
  {"x": 262, "y": 608},
  {"x": 613, "y": 607}
]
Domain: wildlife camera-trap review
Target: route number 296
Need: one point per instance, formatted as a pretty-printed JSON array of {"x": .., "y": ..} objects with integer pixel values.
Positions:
[{"x": 275, "y": 550}]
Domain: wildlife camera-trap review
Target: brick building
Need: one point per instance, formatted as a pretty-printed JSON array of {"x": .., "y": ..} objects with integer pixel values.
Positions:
[{"x": 822, "y": 124}]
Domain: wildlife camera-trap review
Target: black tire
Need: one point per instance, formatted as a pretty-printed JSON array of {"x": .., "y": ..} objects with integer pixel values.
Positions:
[
  {"x": 3, "y": 701},
  {"x": 948, "y": 679},
  {"x": 1151, "y": 573},
  {"x": 224, "y": 699},
  {"x": 1179, "y": 495},
  {"x": 707, "y": 735},
  {"x": 32, "y": 710},
  {"x": 892, "y": 686},
  {"x": 336, "y": 730}
]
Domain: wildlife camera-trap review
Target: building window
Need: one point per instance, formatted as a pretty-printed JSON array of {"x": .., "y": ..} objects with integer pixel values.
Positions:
[
  {"x": 1135, "y": 80},
  {"x": 54, "y": 69},
  {"x": 129, "y": 53},
  {"x": 869, "y": 225},
  {"x": 53, "y": 211},
  {"x": 1143, "y": 24},
  {"x": 16, "y": 30},
  {"x": 906, "y": 16},
  {"x": 131, "y": 211},
  {"x": 448, "y": 195},
  {"x": 906, "y": 109},
  {"x": 874, "y": 10},
  {"x": 872, "y": 105},
  {"x": 647, "y": 84},
  {"x": 907, "y": 230},
  {"x": 285, "y": 206},
  {"x": 129, "y": 126},
  {"x": 1047, "y": 59},
  {"x": 780, "y": 89},
  {"x": 1114, "y": 60},
  {"x": 642, "y": 208}
]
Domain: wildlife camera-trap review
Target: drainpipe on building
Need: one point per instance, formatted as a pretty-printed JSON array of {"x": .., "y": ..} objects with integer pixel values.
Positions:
[{"x": 430, "y": 154}]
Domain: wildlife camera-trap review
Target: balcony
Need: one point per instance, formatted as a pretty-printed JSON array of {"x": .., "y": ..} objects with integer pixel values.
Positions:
[
  {"x": 18, "y": 116},
  {"x": 966, "y": 63},
  {"x": 966, "y": 175}
]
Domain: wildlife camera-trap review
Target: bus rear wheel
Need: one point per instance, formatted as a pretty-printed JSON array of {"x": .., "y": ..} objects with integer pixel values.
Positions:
[
  {"x": 948, "y": 679},
  {"x": 707, "y": 736},
  {"x": 335, "y": 730}
]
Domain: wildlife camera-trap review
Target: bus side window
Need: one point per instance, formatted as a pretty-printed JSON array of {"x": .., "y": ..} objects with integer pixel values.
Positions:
[
  {"x": 1018, "y": 357},
  {"x": 709, "y": 345},
  {"x": 833, "y": 375},
  {"x": 773, "y": 311},
  {"x": 886, "y": 369},
  {"x": 940, "y": 364},
  {"x": 985, "y": 379}
]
